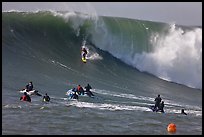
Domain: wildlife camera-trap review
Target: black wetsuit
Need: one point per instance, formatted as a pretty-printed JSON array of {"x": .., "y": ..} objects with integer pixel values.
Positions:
[
  {"x": 157, "y": 102},
  {"x": 74, "y": 96},
  {"x": 84, "y": 53},
  {"x": 46, "y": 98},
  {"x": 182, "y": 112},
  {"x": 28, "y": 98},
  {"x": 29, "y": 87},
  {"x": 161, "y": 107},
  {"x": 88, "y": 92}
]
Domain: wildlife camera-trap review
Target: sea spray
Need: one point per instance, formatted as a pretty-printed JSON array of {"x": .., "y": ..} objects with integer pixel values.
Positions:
[
  {"x": 176, "y": 57},
  {"x": 171, "y": 53}
]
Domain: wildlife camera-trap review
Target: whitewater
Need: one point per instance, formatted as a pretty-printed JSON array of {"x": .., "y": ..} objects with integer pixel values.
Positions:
[
  {"x": 129, "y": 63},
  {"x": 161, "y": 51}
]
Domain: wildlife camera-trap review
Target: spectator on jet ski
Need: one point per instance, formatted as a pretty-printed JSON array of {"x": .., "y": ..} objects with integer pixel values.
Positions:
[
  {"x": 88, "y": 92},
  {"x": 80, "y": 90},
  {"x": 74, "y": 96},
  {"x": 29, "y": 86},
  {"x": 74, "y": 90}
]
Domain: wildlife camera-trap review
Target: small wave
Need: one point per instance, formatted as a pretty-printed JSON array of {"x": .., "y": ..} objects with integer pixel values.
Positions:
[{"x": 106, "y": 106}]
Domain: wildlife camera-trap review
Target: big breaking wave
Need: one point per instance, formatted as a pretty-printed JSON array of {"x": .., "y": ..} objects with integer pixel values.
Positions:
[{"x": 170, "y": 52}]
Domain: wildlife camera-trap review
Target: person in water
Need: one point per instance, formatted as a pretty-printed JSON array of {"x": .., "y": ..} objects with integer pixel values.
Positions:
[
  {"x": 182, "y": 112},
  {"x": 29, "y": 86},
  {"x": 80, "y": 90},
  {"x": 74, "y": 90},
  {"x": 46, "y": 98},
  {"x": 161, "y": 107},
  {"x": 88, "y": 92},
  {"x": 25, "y": 97},
  {"x": 74, "y": 95},
  {"x": 157, "y": 102}
]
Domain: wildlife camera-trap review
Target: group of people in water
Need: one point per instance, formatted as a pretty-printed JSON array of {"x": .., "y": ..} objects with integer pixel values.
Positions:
[
  {"x": 26, "y": 97},
  {"x": 77, "y": 91},
  {"x": 159, "y": 105},
  {"x": 28, "y": 88},
  {"x": 80, "y": 91}
]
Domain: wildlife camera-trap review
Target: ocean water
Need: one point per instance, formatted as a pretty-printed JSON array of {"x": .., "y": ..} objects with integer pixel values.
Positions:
[{"x": 129, "y": 63}]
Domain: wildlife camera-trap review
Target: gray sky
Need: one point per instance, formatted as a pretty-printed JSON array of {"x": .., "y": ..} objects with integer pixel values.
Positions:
[{"x": 184, "y": 13}]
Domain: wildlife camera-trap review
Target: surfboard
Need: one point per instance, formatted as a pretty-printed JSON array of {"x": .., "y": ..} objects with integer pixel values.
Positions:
[
  {"x": 32, "y": 92},
  {"x": 83, "y": 60}
]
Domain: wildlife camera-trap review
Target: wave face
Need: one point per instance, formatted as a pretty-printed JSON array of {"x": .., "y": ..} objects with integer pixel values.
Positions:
[
  {"x": 172, "y": 53},
  {"x": 169, "y": 52}
]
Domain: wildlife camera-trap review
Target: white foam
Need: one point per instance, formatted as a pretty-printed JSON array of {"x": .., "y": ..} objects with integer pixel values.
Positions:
[
  {"x": 106, "y": 106},
  {"x": 62, "y": 65},
  {"x": 12, "y": 106},
  {"x": 91, "y": 55},
  {"x": 177, "y": 57},
  {"x": 170, "y": 106},
  {"x": 124, "y": 95}
]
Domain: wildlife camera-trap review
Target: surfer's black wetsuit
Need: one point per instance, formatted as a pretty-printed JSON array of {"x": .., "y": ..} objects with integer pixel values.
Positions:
[{"x": 84, "y": 53}]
